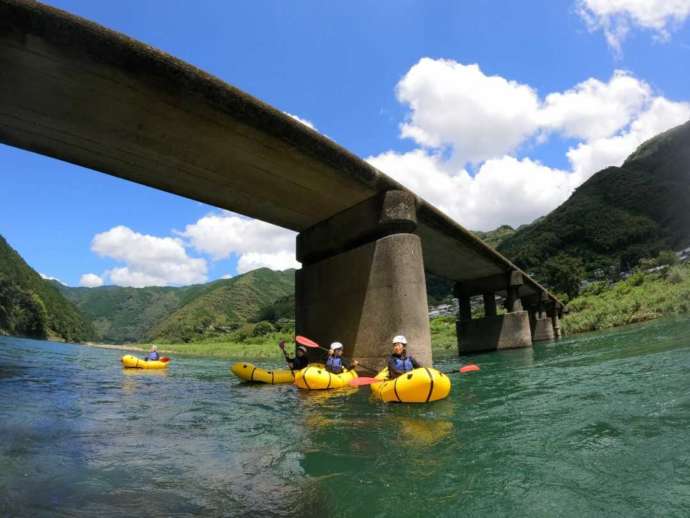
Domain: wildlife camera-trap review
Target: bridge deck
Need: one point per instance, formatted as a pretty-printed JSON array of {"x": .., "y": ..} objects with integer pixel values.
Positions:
[{"x": 78, "y": 92}]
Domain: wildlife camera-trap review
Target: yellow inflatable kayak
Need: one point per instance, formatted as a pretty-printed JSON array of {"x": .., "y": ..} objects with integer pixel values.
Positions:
[
  {"x": 421, "y": 385},
  {"x": 249, "y": 372},
  {"x": 132, "y": 362},
  {"x": 316, "y": 377}
]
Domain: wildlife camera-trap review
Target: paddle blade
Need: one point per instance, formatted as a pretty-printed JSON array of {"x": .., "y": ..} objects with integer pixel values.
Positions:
[
  {"x": 363, "y": 381},
  {"x": 303, "y": 340},
  {"x": 164, "y": 359},
  {"x": 469, "y": 368}
]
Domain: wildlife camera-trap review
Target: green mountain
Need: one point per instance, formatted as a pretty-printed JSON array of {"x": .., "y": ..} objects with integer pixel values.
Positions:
[
  {"x": 180, "y": 314},
  {"x": 619, "y": 215},
  {"x": 31, "y": 306},
  {"x": 495, "y": 237},
  {"x": 225, "y": 305},
  {"x": 121, "y": 315}
]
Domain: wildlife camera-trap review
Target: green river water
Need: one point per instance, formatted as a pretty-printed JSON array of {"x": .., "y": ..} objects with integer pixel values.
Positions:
[{"x": 593, "y": 425}]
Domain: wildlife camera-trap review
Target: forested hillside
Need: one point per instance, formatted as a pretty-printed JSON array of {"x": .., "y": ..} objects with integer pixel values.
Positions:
[
  {"x": 619, "y": 215},
  {"x": 31, "y": 306},
  {"x": 187, "y": 313}
]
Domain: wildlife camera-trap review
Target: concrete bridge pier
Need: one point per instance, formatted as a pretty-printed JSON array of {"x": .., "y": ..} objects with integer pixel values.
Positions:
[
  {"x": 544, "y": 320},
  {"x": 508, "y": 331},
  {"x": 362, "y": 280}
]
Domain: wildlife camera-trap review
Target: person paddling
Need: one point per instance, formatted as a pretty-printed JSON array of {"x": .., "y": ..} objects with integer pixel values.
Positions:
[
  {"x": 153, "y": 354},
  {"x": 335, "y": 363},
  {"x": 300, "y": 361},
  {"x": 399, "y": 362}
]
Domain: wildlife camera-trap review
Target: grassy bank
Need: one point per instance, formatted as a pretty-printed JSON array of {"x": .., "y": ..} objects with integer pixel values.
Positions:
[
  {"x": 640, "y": 297},
  {"x": 266, "y": 347}
]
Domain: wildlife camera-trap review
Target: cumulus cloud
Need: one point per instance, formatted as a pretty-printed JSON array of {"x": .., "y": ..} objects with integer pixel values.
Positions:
[
  {"x": 594, "y": 109},
  {"x": 306, "y": 122},
  {"x": 503, "y": 190},
  {"x": 254, "y": 242},
  {"x": 608, "y": 119},
  {"x": 478, "y": 116},
  {"x": 90, "y": 280},
  {"x": 49, "y": 278},
  {"x": 616, "y": 17},
  {"x": 149, "y": 260}
]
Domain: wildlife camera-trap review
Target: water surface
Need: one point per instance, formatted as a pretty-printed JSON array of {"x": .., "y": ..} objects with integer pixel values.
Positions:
[{"x": 594, "y": 425}]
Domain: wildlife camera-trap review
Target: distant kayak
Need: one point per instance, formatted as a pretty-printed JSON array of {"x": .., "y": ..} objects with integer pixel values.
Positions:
[
  {"x": 422, "y": 385},
  {"x": 250, "y": 372},
  {"x": 316, "y": 377},
  {"x": 132, "y": 362}
]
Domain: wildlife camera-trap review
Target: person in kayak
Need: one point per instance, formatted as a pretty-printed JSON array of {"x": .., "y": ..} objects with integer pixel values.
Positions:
[
  {"x": 335, "y": 362},
  {"x": 153, "y": 354},
  {"x": 300, "y": 361},
  {"x": 399, "y": 362}
]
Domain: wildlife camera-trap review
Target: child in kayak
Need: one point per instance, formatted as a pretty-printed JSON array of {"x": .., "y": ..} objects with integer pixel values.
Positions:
[
  {"x": 300, "y": 361},
  {"x": 153, "y": 354},
  {"x": 335, "y": 363},
  {"x": 398, "y": 362}
]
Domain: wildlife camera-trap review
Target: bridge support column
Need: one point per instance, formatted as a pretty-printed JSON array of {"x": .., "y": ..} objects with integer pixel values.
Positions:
[
  {"x": 362, "y": 281},
  {"x": 542, "y": 324},
  {"x": 508, "y": 331}
]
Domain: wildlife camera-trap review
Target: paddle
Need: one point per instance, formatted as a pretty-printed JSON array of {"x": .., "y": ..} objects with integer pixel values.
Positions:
[
  {"x": 306, "y": 342},
  {"x": 363, "y": 380},
  {"x": 281, "y": 344},
  {"x": 164, "y": 359}
]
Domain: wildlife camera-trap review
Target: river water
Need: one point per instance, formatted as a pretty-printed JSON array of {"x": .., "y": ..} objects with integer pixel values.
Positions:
[{"x": 594, "y": 425}]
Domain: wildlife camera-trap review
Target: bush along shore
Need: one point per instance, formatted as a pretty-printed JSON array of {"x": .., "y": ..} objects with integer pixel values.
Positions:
[{"x": 644, "y": 295}]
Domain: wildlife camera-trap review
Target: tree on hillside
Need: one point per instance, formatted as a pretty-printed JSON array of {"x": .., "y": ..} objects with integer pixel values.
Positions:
[{"x": 564, "y": 274}]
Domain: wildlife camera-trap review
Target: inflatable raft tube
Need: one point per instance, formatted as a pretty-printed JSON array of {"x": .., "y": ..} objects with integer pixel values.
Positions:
[
  {"x": 422, "y": 385},
  {"x": 249, "y": 372},
  {"x": 132, "y": 362},
  {"x": 316, "y": 377}
]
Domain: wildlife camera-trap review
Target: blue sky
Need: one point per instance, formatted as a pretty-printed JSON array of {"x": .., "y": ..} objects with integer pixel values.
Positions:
[{"x": 561, "y": 88}]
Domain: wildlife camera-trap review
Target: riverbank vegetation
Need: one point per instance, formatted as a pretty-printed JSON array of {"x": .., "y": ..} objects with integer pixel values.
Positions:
[{"x": 644, "y": 295}]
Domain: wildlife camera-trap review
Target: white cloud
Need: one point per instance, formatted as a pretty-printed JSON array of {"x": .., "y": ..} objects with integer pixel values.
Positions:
[
  {"x": 276, "y": 261},
  {"x": 504, "y": 190},
  {"x": 49, "y": 278},
  {"x": 609, "y": 119},
  {"x": 255, "y": 242},
  {"x": 306, "y": 122},
  {"x": 90, "y": 280},
  {"x": 594, "y": 109},
  {"x": 616, "y": 17},
  {"x": 457, "y": 105},
  {"x": 150, "y": 260},
  {"x": 661, "y": 114}
]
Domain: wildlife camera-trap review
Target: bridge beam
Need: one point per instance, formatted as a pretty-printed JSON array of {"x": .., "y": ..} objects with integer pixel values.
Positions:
[
  {"x": 362, "y": 280},
  {"x": 508, "y": 331}
]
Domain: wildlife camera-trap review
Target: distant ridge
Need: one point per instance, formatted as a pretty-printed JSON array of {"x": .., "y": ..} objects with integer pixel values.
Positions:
[{"x": 188, "y": 313}]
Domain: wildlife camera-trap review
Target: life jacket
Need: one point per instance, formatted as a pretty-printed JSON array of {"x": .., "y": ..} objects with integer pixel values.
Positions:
[
  {"x": 402, "y": 363},
  {"x": 154, "y": 356},
  {"x": 334, "y": 364},
  {"x": 300, "y": 363}
]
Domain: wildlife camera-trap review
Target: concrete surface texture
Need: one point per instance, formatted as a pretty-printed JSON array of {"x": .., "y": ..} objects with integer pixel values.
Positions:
[
  {"x": 507, "y": 331},
  {"x": 366, "y": 296}
]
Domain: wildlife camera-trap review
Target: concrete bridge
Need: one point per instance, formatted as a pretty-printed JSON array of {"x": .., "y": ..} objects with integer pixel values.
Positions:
[{"x": 76, "y": 91}]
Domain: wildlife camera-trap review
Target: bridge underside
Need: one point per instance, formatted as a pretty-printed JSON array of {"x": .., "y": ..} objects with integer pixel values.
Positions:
[{"x": 73, "y": 90}]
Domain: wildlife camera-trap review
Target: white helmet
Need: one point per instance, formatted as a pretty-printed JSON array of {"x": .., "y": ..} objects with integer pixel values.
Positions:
[
  {"x": 336, "y": 345},
  {"x": 400, "y": 339}
]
